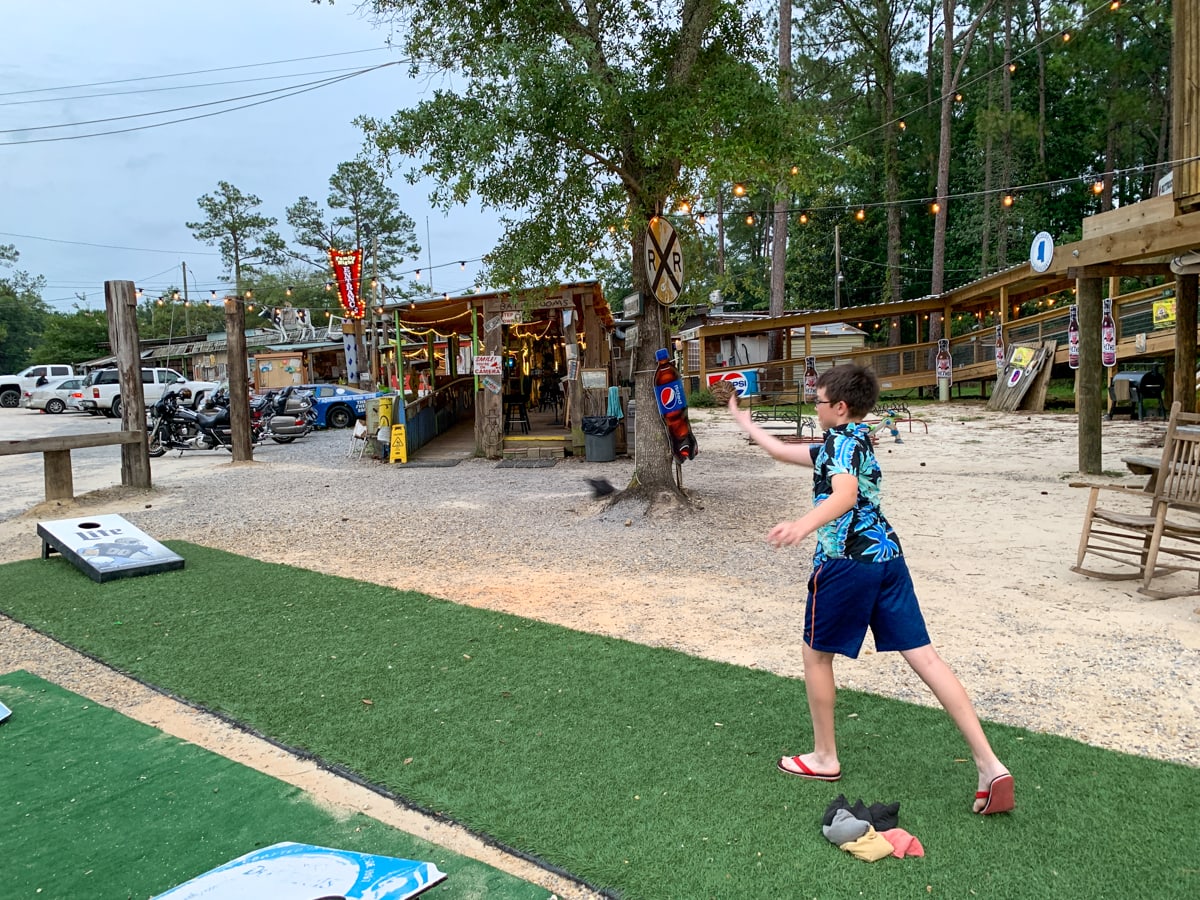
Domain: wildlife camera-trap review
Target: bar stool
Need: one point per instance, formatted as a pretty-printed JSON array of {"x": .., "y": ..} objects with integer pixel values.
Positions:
[{"x": 516, "y": 414}]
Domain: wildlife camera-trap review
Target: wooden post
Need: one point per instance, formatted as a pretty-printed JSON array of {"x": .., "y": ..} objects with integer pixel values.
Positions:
[
  {"x": 1090, "y": 375},
  {"x": 489, "y": 405},
  {"x": 239, "y": 379},
  {"x": 120, "y": 302},
  {"x": 1185, "y": 350},
  {"x": 574, "y": 391}
]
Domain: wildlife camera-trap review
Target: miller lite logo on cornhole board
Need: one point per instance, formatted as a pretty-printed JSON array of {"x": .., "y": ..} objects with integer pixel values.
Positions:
[
  {"x": 306, "y": 871},
  {"x": 106, "y": 547}
]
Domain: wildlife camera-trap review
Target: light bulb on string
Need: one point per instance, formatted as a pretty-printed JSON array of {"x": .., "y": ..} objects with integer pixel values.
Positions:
[
  {"x": 1008, "y": 200},
  {"x": 138, "y": 292},
  {"x": 803, "y": 218},
  {"x": 739, "y": 190},
  {"x": 958, "y": 98},
  {"x": 1066, "y": 36},
  {"x": 1012, "y": 67},
  {"x": 903, "y": 126},
  {"x": 288, "y": 291},
  {"x": 175, "y": 295},
  {"x": 795, "y": 170},
  {"x": 328, "y": 286},
  {"x": 750, "y": 219},
  {"x": 1098, "y": 187},
  {"x": 861, "y": 215},
  {"x": 935, "y": 208},
  {"x": 462, "y": 265},
  {"x": 417, "y": 275}
]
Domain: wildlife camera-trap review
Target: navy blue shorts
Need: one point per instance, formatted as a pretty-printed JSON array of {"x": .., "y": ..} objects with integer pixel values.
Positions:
[{"x": 845, "y": 597}]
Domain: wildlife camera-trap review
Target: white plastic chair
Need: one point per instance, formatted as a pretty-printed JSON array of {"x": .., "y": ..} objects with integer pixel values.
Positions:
[{"x": 358, "y": 440}]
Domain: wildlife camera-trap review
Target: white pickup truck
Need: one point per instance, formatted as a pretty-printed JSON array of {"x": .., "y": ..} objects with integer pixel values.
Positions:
[
  {"x": 13, "y": 387},
  {"x": 102, "y": 389}
]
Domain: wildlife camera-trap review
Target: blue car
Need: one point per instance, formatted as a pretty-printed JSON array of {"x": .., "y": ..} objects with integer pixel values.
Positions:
[{"x": 338, "y": 405}]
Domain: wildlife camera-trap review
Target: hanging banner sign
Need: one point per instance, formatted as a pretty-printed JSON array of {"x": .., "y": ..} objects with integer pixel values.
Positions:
[
  {"x": 347, "y": 270},
  {"x": 1000, "y": 348}
]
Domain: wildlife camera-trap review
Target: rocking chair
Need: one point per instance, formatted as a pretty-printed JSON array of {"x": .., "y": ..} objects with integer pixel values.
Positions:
[{"x": 1169, "y": 530}]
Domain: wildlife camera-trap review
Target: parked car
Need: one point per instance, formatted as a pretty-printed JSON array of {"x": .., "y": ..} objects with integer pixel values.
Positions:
[
  {"x": 338, "y": 405},
  {"x": 58, "y": 395},
  {"x": 102, "y": 389},
  {"x": 13, "y": 387}
]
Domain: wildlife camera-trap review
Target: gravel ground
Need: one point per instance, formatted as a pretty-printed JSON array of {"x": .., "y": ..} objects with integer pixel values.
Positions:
[{"x": 980, "y": 501}]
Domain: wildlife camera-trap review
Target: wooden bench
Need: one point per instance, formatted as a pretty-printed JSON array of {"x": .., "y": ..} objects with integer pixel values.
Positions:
[{"x": 56, "y": 454}]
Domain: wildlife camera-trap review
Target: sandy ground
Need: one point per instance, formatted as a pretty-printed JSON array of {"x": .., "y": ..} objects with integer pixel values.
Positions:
[{"x": 980, "y": 500}]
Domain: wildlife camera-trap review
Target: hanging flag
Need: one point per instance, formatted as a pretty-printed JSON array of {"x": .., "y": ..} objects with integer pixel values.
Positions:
[{"x": 347, "y": 269}]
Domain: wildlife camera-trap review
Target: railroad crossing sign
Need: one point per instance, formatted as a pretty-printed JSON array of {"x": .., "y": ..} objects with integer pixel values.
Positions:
[{"x": 664, "y": 261}]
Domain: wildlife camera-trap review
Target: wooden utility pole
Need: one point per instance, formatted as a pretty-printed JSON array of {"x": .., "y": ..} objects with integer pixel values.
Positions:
[
  {"x": 120, "y": 302},
  {"x": 239, "y": 380},
  {"x": 1090, "y": 375}
]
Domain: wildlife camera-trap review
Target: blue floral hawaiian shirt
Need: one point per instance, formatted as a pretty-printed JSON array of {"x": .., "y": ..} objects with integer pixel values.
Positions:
[{"x": 863, "y": 533}]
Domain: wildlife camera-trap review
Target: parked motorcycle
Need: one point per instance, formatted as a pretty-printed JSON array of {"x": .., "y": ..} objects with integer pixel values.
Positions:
[
  {"x": 173, "y": 426},
  {"x": 281, "y": 416}
]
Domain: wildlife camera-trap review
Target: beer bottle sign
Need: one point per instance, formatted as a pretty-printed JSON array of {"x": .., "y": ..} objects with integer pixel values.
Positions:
[
  {"x": 943, "y": 363},
  {"x": 1000, "y": 355},
  {"x": 1073, "y": 338},
  {"x": 1108, "y": 336},
  {"x": 810, "y": 378}
]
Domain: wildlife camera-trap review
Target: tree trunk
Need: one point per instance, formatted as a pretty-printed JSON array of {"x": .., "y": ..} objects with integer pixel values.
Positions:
[
  {"x": 779, "y": 227},
  {"x": 653, "y": 469},
  {"x": 1006, "y": 162}
]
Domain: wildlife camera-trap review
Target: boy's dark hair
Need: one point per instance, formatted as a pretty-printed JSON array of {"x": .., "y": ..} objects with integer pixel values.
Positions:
[{"x": 857, "y": 387}]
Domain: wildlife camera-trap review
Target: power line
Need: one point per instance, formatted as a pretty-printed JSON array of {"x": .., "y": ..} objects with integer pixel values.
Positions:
[
  {"x": 278, "y": 62},
  {"x": 162, "y": 112},
  {"x": 34, "y": 237},
  {"x": 176, "y": 87},
  {"x": 220, "y": 112}
]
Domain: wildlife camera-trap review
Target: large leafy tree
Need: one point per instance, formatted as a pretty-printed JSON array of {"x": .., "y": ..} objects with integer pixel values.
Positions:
[
  {"x": 363, "y": 212},
  {"x": 73, "y": 338},
  {"x": 23, "y": 313},
  {"x": 574, "y": 119},
  {"x": 232, "y": 222}
]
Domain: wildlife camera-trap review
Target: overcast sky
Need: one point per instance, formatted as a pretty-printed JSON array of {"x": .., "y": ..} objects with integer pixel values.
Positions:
[{"x": 58, "y": 199}]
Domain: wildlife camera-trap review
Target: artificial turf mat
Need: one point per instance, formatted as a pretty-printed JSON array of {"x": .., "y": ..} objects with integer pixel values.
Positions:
[
  {"x": 94, "y": 804},
  {"x": 642, "y": 770}
]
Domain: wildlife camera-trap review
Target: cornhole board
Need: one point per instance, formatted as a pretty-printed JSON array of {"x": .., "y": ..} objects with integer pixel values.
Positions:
[
  {"x": 106, "y": 547},
  {"x": 290, "y": 871}
]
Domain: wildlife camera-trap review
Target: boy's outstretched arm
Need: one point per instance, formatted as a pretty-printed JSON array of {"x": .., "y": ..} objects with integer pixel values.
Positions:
[{"x": 800, "y": 454}]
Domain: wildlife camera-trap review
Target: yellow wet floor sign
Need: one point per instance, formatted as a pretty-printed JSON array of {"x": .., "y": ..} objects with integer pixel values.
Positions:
[{"x": 399, "y": 444}]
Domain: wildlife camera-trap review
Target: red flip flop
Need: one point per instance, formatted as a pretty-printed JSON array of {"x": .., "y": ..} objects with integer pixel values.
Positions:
[
  {"x": 999, "y": 796},
  {"x": 805, "y": 771}
]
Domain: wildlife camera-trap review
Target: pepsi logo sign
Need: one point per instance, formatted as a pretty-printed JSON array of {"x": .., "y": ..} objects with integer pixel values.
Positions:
[{"x": 670, "y": 398}]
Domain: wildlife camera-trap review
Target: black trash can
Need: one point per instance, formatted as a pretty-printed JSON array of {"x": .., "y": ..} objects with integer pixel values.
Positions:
[{"x": 600, "y": 438}]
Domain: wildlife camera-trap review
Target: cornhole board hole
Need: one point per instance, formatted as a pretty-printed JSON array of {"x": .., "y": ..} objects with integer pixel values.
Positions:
[
  {"x": 306, "y": 871},
  {"x": 106, "y": 547}
]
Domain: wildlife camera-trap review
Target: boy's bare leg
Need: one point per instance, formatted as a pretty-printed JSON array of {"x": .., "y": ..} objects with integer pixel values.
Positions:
[
  {"x": 822, "y": 692},
  {"x": 949, "y": 691}
]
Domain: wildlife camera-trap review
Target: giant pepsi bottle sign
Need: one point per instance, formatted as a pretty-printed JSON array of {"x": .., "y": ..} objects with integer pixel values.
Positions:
[{"x": 670, "y": 397}]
